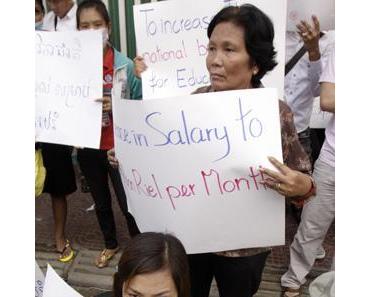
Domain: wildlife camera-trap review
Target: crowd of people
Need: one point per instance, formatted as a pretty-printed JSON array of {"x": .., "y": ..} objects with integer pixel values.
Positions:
[{"x": 240, "y": 53}]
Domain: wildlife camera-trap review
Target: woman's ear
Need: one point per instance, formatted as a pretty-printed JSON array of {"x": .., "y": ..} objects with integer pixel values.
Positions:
[
  {"x": 255, "y": 70},
  {"x": 109, "y": 28}
]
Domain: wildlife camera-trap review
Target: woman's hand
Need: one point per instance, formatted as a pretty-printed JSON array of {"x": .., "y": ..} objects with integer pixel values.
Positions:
[
  {"x": 113, "y": 161},
  {"x": 107, "y": 103},
  {"x": 287, "y": 182},
  {"x": 310, "y": 36},
  {"x": 140, "y": 66}
]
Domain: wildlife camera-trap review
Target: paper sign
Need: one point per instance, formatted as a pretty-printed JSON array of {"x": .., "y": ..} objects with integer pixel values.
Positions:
[
  {"x": 303, "y": 10},
  {"x": 172, "y": 38},
  {"x": 190, "y": 165},
  {"x": 39, "y": 281},
  {"x": 68, "y": 79},
  {"x": 55, "y": 286},
  {"x": 319, "y": 118}
]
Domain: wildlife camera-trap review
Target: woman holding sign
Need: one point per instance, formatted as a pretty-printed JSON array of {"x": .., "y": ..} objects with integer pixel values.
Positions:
[
  {"x": 93, "y": 15},
  {"x": 240, "y": 53}
]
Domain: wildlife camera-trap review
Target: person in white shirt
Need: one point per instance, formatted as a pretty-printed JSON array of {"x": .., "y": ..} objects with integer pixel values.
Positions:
[
  {"x": 61, "y": 17},
  {"x": 318, "y": 212},
  {"x": 302, "y": 82}
]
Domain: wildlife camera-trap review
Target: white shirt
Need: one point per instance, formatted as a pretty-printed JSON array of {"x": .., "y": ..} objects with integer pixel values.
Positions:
[
  {"x": 67, "y": 23},
  {"x": 301, "y": 84},
  {"x": 327, "y": 153}
]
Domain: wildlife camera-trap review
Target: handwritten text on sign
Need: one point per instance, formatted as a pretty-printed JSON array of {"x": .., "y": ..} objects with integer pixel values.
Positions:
[
  {"x": 190, "y": 165},
  {"x": 172, "y": 38},
  {"x": 68, "y": 79}
]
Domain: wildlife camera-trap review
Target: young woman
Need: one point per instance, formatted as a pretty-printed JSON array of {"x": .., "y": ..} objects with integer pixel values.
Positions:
[
  {"x": 93, "y": 15},
  {"x": 153, "y": 264}
]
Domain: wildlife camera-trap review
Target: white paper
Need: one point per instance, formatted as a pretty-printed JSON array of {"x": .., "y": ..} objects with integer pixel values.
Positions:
[
  {"x": 303, "y": 10},
  {"x": 319, "y": 118},
  {"x": 55, "y": 286},
  {"x": 39, "y": 281},
  {"x": 172, "y": 38},
  {"x": 176, "y": 182},
  {"x": 68, "y": 80}
]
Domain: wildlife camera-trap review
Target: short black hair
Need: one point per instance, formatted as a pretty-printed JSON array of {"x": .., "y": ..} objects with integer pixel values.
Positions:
[
  {"x": 258, "y": 35},
  {"x": 39, "y": 2},
  {"x": 98, "y": 5},
  {"x": 150, "y": 252}
]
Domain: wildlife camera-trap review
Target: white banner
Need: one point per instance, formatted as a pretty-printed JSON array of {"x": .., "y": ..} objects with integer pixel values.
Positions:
[
  {"x": 190, "y": 165},
  {"x": 68, "y": 79},
  {"x": 319, "y": 118},
  {"x": 172, "y": 38},
  {"x": 39, "y": 281},
  {"x": 303, "y": 10},
  {"x": 55, "y": 286}
]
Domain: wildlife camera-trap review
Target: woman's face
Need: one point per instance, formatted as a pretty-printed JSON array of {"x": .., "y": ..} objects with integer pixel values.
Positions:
[
  {"x": 154, "y": 284},
  {"x": 90, "y": 18},
  {"x": 38, "y": 13},
  {"x": 228, "y": 62}
]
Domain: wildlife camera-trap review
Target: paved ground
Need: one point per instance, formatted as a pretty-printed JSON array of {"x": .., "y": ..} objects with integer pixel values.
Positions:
[{"x": 84, "y": 233}]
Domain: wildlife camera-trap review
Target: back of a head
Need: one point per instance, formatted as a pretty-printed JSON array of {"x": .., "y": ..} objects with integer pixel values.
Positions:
[{"x": 150, "y": 252}]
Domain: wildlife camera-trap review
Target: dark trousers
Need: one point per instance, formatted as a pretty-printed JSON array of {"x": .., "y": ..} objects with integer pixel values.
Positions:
[
  {"x": 96, "y": 168},
  {"x": 235, "y": 277},
  {"x": 317, "y": 140}
]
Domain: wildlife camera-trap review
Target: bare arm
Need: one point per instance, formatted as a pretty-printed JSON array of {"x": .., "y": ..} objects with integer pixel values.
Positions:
[{"x": 327, "y": 97}]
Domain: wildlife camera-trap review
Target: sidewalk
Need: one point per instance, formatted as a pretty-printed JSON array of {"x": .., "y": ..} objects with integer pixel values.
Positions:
[{"x": 84, "y": 233}]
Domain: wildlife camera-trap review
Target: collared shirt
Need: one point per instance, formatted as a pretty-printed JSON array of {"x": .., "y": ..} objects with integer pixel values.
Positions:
[
  {"x": 327, "y": 153},
  {"x": 301, "y": 84},
  {"x": 67, "y": 23},
  {"x": 294, "y": 156}
]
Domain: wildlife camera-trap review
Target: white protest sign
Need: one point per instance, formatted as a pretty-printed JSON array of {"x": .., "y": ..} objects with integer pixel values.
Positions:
[
  {"x": 319, "y": 118},
  {"x": 39, "y": 281},
  {"x": 190, "y": 164},
  {"x": 303, "y": 10},
  {"x": 172, "y": 38},
  {"x": 68, "y": 79},
  {"x": 55, "y": 286}
]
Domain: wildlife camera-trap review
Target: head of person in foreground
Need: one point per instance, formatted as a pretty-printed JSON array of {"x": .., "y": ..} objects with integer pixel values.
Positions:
[{"x": 152, "y": 264}]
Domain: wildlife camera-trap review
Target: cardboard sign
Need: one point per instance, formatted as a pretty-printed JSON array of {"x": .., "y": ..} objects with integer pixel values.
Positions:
[
  {"x": 55, "y": 286},
  {"x": 303, "y": 10},
  {"x": 171, "y": 36},
  {"x": 190, "y": 165},
  {"x": 68, "y": 80},
  {"x": 319, "y": 118}
]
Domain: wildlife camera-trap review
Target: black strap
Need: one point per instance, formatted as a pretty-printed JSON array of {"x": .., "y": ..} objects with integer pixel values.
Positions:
[
  {"x": 55, "y": 22},
  {"x": 291, "y": 63}
]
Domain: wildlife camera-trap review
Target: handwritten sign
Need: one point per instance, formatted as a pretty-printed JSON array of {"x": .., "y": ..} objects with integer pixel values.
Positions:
[
  {"x": 39, "y": 281},
  {"x": 55, "y": 286},
  {"x": 190, "y": 166},
  {"x": 319, "y": 118},
  {"x": 68, "y": 79},
  {"x": 303, "y": 10},
  {"x": 172, "y": 38}
]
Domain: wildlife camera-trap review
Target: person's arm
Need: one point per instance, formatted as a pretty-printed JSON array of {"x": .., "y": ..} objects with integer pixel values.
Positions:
[{"x": 327, "y": 97}]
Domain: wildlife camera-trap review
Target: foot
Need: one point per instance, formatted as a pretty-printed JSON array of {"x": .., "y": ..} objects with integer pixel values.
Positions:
[
  {"x": 66, "y": 252},
  {"x": 105, "y": 256},
  {"x": 291, "y": 292},
  {"x": 320, "y": 253}
]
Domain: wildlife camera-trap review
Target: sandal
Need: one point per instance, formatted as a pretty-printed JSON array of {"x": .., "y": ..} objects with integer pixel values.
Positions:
[
  {"x": 290, "y": 292},
  {"x": 66, "y": 257},
  {"x": 103, "y": 259}
]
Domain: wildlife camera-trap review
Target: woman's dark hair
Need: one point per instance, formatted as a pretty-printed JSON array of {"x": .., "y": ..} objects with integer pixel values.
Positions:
[
  {"x": 98, "y": 5},
  {"x": 39, "y": 2},
  {"x": 150, "y": 252},
  {"x": 258, "y": 35}
]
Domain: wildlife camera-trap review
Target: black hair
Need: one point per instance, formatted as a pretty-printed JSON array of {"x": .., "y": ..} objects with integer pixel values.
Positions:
[
  {"x": 39, "y": 2},
  {"x": 98, "y": 5},
  {"x": 150, "y": 252},
  {"x": 258, "y": 35}
]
